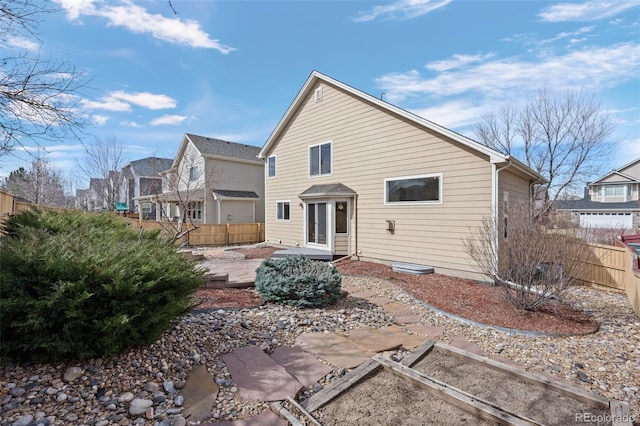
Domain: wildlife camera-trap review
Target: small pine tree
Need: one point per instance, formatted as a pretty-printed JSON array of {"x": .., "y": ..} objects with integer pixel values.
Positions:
[{"x": 298, "y": 281}]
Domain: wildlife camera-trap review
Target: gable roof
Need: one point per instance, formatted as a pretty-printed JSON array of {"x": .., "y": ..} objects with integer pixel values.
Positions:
[
  {"x": 618, "y": 171},
  {"x": 494, "y": 156},
  {"x": 221, "y": 148},
  {"x": 150, "y": 166},
  {"x": 327, "y": 190}
]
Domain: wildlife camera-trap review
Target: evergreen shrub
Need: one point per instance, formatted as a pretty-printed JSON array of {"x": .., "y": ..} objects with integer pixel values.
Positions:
[
  {"x": 298, "y": 281},
  {"x": 77, "y": 285}
]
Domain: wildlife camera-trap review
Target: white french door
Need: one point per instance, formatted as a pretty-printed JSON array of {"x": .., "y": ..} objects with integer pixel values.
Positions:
[{"x": 317, "y": 228}]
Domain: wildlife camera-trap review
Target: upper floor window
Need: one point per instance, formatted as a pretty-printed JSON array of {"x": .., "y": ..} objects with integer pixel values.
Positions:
[
  {"x": 614, "y": 191},
  {"x": 423, "y": 189},
  {"x": 271, "y": 166},
  {"x": 320, "y": 159},
  {"x": 193, "y": 173}
]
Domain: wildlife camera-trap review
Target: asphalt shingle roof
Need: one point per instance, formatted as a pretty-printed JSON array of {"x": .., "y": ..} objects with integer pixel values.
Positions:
[
  {"x": 235, "y": 194},
  {"x": 221, "y": 148},
  {"x": 587, "y": 204},
  {"x": 331, "y": 189},
  {"x": 151, "y": 166}
]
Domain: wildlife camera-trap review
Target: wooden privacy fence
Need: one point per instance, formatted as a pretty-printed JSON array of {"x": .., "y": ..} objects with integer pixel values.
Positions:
[
  {"x": 613, "y": 267},
  {"x": 211, "y": 235}
]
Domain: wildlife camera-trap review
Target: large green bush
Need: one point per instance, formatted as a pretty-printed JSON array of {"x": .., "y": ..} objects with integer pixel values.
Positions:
[
  {"x": 298, "y": 281},
  {"x": 79, "y": 285}
]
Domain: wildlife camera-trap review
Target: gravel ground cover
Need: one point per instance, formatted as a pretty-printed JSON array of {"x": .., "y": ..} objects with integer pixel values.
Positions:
[{"x": 108, "y": 392}]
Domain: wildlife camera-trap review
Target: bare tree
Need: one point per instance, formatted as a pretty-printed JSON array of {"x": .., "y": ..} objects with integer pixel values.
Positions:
[
  {"x": 531, "y": 265},
  {"x": 182, "y": 186},
  {"x": 39, "y": 97},
  {"x": 41, "y": 184},
  {"x": 564, "y": 137},
  {"x": 102, "y": 165}
]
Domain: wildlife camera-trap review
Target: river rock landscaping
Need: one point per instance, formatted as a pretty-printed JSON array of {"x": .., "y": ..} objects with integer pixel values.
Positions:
[{"x": 143, "y": 386}]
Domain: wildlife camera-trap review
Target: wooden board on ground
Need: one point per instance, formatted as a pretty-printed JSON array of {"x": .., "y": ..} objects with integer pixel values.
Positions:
[{"x": 439, "y": 383}]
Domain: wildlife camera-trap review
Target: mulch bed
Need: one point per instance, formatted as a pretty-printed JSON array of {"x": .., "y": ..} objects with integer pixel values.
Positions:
[{"x": 466, "y": 298}]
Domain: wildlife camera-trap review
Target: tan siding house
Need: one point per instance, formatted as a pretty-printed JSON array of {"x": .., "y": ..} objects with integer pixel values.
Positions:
[
  {"x": 213, "y": 181},
  {"x": 353, "y": 175}
]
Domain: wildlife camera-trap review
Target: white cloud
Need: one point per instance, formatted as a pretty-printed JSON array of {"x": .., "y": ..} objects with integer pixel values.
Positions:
[
  {"x": 402, "y": 9},
  {"x": 457, "y": 61},
  {"x": 132, "y": 124},
  {"x": 99, "y": 120},
  {"x": 121, "y": 101},
  {"x": 589, "y": 68},
  {"x": 455, "y": 114},
  {"x": 136, "y": 19},
  {"x": 168, "y": 120},
  {"x": 107, "y": 104},
  {"x": 585, "y": 11},
  {"x": 144, "y": 99},
  {"x": 22, "y": 43}
]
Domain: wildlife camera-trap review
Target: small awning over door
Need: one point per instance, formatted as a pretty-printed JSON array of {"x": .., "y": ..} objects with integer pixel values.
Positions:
[{"x": 330, "y": 190}]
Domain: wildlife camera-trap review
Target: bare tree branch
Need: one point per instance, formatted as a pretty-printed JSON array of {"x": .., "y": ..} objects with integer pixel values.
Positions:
[
  {"x": 103, "y": 161},
  {"x": 39, "y": 98},
  {"x": 564, "y": 137}
]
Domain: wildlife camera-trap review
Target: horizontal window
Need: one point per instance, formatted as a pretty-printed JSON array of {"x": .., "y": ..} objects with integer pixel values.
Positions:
[
  {"x": 614, "y": 191},
  {"x": 414, "y": 189},
  {"x": 283, "y": 210}
]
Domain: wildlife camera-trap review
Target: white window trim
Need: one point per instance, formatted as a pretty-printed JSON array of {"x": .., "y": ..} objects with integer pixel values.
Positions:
[
  {"x": 413, "y": 203},
  {"x": 275, "y": 168},
  {"x": 283, "y": 202},
  {"x": 320, "y": 152}
]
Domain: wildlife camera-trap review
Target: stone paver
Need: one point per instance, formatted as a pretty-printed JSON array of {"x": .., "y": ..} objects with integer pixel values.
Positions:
[
  {"x": 258, "y": 377},
  {"x": 424, "y": 330},
  {"x": 406, "y": 318},
  {"x": 370, "y": 339},
  {"x": 199, "y": 392},
  {"x": 462, "y": 343},
  {"x": 333, "y": 348},
  {"x": 266, "y": 418},
  {"x": 239, "y": 272},
  {"x": 409, "y": 341},
  {"x": 363, "y": 294},
  {"x": 395, "y": 308},
  {"x": 380, "y": 301},
  {"x": 301, "y": 365}
]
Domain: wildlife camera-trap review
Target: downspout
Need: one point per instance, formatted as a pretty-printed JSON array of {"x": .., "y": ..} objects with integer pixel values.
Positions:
[
  {"x": 219, "y": 209},
  {"x": 495, "y": 182},
  {"x": 355, "y": 230}
]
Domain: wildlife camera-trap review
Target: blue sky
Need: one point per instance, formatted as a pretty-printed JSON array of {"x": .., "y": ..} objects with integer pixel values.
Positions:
[{"x": 230, "y": 69}]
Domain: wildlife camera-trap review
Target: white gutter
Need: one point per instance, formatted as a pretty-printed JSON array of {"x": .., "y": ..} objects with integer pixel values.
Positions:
[{"x": 495, "y": 184}]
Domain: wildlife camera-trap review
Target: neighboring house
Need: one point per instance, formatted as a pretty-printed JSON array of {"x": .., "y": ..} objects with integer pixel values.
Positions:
[
  {"x": 212, "y": 181},
  {"x": 612, "y": 201},
  {"x": 143, "y": 177},
  {"x": 94, "y": 198},
  {"x": 353, "y": 175}
]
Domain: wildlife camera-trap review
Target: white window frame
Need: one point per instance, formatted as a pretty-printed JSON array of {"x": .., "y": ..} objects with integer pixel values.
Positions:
[
  {"x": 413, "y": 203},
  {"x": 614, "y": 189},
  {"x": 194, "y": 173},
  {"x": 194, "y": 210},
  {"x": 319, "y": 146},
  {"x": 275, "y": 165},
  {"x": 283, "y": 219}
]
